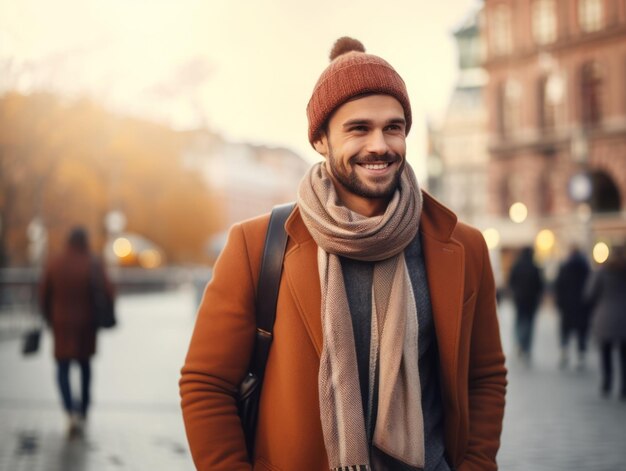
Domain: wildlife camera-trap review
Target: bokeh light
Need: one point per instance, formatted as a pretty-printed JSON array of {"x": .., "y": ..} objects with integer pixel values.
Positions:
[
  {"x": 150, "y": 258},
  {"x": 601, "y": 252},
  {"x": 518, "y": 212},
  {"x": 492, "y": 237},
  {"x": 544, "y": 242},
  {"x": 122, "y": 247}
]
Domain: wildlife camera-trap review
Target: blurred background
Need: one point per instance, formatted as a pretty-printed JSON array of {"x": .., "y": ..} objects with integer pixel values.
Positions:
[{"x": 156, "y": 125}]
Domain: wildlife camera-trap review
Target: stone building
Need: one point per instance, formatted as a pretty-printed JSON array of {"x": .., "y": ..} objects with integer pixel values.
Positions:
[
  {"x": 458, "y": 155},
  {"x": 246, "y": 180},
  {"x": 556, "y": 101}
]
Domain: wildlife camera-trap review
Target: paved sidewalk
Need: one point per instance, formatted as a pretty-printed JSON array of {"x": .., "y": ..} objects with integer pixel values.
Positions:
[
  {"x": 555, "y": 420},
  {"x": 135, "y": 422}
]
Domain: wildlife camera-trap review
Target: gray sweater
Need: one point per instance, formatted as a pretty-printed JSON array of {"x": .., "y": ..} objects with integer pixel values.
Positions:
[{"x": 358, "y": 281}]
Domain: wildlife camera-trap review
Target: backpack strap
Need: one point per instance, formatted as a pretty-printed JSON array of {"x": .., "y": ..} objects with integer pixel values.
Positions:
[{"x": 269, "y": 282}]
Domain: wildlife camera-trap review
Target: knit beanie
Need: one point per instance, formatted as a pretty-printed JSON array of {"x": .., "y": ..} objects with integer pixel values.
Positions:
[{"x": 351, "y": 73}]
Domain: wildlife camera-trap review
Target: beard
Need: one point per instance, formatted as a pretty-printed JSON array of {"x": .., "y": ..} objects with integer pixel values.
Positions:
[{"x": 346, "y": 175}]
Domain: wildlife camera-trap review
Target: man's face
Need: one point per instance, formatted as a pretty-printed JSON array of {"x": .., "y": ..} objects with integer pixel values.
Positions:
[{"x": 365, "y": 147}]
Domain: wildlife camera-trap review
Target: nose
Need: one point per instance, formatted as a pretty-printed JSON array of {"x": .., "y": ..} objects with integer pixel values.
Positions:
[{"x": 377, "y": 143}]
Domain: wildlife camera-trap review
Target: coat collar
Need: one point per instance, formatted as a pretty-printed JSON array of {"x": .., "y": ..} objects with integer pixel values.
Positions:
[{"x": 444, "y": 258}]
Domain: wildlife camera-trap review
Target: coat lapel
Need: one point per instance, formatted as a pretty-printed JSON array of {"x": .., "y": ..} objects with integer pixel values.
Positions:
[
  {"x": 444, "y": 259},
  {"x": 302, "y": 275},
  {"x": 444, "y": 268}
]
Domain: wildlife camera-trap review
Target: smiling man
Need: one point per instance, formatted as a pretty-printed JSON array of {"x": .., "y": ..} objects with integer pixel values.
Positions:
[{"x": 386, "y": 351}]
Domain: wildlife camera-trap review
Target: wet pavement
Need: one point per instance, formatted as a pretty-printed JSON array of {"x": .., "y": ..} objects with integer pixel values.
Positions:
[
  {"x": 135, "y": 421},
  {"x": 555, "y": 420}
]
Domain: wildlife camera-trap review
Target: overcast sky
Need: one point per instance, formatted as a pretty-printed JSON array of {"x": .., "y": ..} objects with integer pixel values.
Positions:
[{"x": 246, "y": 68}]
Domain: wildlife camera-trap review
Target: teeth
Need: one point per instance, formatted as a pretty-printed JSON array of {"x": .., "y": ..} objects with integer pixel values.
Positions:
[{"x": 376, "y": 166}]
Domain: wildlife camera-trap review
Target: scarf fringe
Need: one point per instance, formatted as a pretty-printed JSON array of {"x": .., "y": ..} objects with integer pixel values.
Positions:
[{"x": 356, "y": 467}]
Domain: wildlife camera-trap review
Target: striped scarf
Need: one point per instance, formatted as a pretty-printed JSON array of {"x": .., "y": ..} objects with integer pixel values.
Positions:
[{"x": 338, "y": 231}]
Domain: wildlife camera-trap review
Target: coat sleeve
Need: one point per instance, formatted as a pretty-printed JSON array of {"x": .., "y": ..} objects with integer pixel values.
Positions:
[
  {"x": 486, "y": 379},
  {"x": 217, "y": 361}
]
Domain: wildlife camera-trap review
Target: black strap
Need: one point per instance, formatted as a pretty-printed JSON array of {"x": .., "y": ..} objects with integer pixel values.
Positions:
[{"x": 269, "y": 282}]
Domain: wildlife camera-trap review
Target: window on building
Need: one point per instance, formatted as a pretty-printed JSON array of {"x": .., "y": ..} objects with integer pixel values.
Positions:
[
  {"x": 509, "y": 98},
  {"x": 501, "y": 30},
  {"x": 550, "y": 93},
  {"x": 591, "y": 85},
  {"x": 590, "y": 15},
  {"x": 546, "y": 195},
  {"x": 544, "y": 21},
  {"x": 505, "y": 196}
]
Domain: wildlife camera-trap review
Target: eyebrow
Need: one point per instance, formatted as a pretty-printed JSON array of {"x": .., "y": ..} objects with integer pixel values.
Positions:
[{"x": 358, "y": 122}]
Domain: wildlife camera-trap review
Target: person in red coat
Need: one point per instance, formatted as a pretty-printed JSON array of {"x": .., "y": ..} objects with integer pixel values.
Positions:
[{"x": 65, "y": 298}]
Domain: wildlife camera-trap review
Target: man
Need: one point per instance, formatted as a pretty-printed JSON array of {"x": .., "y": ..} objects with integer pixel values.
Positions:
[
  {"x": 386, "y": 351},
  {"x": 569, "y": 288}
]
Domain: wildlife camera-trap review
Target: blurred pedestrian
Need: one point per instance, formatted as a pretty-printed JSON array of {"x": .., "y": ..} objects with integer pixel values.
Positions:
[
  {"x": 606, "y": 291},
  {"x": 573, "y": 308},
  {"x": 526, "y": 285},
  {"x": 65, "y": 295}
]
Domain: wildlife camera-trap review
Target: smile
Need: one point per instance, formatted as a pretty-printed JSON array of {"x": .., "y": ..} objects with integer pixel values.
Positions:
[{"x": 376, "y": 166}]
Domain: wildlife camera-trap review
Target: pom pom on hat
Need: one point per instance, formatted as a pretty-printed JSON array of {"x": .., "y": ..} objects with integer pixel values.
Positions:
[
  {"x": 344, "y": 45},
  {"x": 351, "y": 73}
]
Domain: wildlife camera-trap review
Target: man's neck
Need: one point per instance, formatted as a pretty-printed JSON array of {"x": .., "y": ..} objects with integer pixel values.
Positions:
[{"x": 367, "y": 207}]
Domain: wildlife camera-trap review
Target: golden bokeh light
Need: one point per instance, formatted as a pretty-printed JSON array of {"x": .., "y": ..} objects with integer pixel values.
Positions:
[
  {"x": 150, "y": 258},
  {"x": 544, "y": 242},
  {"x": 601, "y": 252},
  {"x": 122, "y": 247},
  {"x": 492, "y": 237},
  {"x": 518, "y": 212}
]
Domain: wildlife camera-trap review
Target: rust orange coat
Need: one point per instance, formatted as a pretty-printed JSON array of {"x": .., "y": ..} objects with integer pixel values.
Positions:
[
  {"x": 65, "y": 299},
  {"x": 289, "y": 434}
]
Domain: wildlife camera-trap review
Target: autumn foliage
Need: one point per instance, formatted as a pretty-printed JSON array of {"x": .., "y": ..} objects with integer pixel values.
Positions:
[{"x": 70, "y": 163}]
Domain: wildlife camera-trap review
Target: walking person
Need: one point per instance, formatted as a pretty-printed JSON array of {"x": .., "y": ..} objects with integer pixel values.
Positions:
[
  {"x": 606, "y": 290},
  {"x": 65, "y": 294},
  {"x": 572, "y": 305},
  {"x": 386, "y": 352},
  {"x": 526, "y": 285}
]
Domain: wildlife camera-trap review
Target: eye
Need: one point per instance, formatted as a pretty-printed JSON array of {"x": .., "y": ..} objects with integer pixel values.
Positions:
[
  {"x": 358, "y": 128},
  {"x": 394, "y": 127}
]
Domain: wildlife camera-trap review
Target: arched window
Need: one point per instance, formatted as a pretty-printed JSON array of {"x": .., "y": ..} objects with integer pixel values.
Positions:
[
  {"x": 605, "y": 195},
  {"x": 591, "y": 85},
  {"x": 590, "y": 15},
  {"x": 544, "y": 21}
]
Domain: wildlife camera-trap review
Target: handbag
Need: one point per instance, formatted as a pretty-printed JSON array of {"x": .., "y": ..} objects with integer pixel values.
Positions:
[
  {"x": 102, "y": 304},
  {"x": 31, "y": 341},
  {"x": 267, "y": 296}
]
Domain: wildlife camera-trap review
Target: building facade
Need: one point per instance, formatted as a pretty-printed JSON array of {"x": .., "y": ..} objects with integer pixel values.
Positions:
[
  {"x": 458, "y": 155},
  {"x": 245, "y": 179},
  {"x": 556, "y": 101}
]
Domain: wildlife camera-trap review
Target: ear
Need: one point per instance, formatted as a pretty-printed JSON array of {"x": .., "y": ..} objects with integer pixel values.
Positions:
[{"x": 321, "y": 144}]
